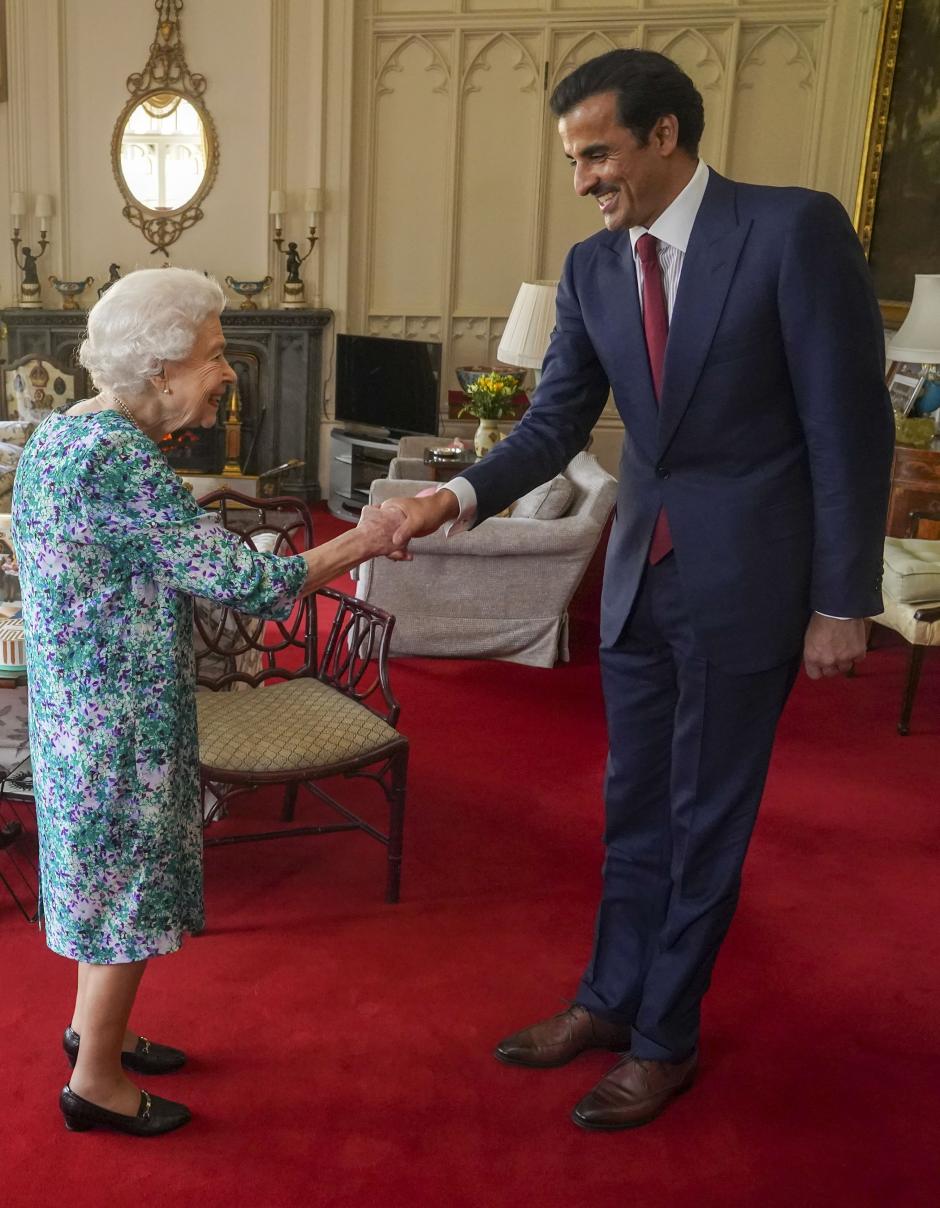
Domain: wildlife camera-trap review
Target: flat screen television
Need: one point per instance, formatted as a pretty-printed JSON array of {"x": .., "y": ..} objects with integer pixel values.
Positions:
[{"x": 391, "y": 385}]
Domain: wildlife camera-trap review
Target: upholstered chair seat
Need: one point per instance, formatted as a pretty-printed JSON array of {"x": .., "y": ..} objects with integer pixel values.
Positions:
[{"x": 303, "y": 727}]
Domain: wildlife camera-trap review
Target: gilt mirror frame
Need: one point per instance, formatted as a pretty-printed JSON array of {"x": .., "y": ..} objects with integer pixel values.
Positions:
[{"x": 166, "y": 71}]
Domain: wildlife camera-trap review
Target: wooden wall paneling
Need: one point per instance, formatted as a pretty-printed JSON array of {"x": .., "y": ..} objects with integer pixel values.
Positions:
[
  {"x": 776, "y": 74},
  {"x": 409, "y": 187},
  {"x": 703, "y": 54},
  {"x": 502, "y": 73},
  {"x": 569, "y": 218}
]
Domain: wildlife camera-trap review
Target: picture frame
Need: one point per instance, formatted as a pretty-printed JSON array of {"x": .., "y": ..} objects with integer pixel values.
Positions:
[
  {"x": 4, "y": 86},
  {"x": 899, "y": 182},
  {"x": 905, "y": 382}
]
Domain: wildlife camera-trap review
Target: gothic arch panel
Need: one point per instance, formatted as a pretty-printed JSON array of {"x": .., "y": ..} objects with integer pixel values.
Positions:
[
  {"x": 410, "y": 170},
  {"x": 776, "y": 79},
  {"x": 498, "y": 170}
]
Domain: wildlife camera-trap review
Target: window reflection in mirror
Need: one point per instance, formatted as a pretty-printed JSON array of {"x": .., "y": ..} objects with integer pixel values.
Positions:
[{"x": 163, "y": 151}]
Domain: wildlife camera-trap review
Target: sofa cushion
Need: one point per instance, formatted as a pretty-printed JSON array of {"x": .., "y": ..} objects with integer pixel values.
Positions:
[
  {"x": 547, "y": 502},
  {"x": 912, "y": 570}
]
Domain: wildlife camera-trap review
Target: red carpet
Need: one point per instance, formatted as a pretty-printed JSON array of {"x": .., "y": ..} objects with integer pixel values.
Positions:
[{"x": 340, "y": 1047}]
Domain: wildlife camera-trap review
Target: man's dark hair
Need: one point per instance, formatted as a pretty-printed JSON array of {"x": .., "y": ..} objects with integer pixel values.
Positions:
[{"x": 647, "y": 85}]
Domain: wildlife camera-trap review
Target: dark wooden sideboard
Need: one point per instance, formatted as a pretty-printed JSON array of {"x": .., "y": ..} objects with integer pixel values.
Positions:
[
  {"x": 915, "y": 487},
  {"x": 277, "y": 356}
]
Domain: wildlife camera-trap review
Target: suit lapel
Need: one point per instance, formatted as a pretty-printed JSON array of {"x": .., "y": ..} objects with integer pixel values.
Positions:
[
  {"x": 637, "y": 404},
  {"x": 707, "y": 271}
]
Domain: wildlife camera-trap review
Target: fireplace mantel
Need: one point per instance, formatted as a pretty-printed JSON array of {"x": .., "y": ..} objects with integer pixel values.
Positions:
[{"x": 277, "y": 355}]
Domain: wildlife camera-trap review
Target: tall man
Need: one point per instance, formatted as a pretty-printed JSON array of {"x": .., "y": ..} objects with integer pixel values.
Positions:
[{"x": 737, "y": 328}]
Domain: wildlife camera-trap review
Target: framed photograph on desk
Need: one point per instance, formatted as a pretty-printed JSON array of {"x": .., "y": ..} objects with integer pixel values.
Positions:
[{"x": 905, "y": 382}]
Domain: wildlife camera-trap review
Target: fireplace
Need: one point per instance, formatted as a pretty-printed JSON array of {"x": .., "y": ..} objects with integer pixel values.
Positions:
[{"x": 277, "y": 357}]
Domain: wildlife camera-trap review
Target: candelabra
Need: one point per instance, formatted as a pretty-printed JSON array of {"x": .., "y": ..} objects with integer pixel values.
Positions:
[
  {"x": 293, "y": 295},
  {"x": 30, "y": 292}
]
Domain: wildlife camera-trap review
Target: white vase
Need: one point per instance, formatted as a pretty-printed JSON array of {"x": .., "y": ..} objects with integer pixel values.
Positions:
[{"x": 486, "y": 436}]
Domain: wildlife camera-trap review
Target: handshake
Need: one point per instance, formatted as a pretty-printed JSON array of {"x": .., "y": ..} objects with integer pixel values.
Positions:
[{"x": 387, "y": 530}]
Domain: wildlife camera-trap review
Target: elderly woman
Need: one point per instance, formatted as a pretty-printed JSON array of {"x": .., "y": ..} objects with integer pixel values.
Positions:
[{"x": 111, "y": 550}]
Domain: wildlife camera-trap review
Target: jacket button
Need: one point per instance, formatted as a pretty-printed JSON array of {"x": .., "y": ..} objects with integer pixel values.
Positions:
[{"x": 662, "y": 472}]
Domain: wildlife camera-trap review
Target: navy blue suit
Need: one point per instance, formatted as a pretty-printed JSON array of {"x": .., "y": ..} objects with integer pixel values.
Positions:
[{"x": 770, "y": 450}]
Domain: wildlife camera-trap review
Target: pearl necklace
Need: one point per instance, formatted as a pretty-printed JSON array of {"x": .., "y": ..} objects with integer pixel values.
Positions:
[{"x": 123, "y": 408}]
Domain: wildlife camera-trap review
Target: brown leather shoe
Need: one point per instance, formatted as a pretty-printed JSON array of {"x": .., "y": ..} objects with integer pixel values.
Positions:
[
  {"x": 634, "y": 1092},
  {"x": 557, "y": 1040}
]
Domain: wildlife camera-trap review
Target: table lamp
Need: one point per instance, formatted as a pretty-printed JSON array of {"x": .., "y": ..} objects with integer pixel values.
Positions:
[
  {"x": 918, "y": 339},
  {"x": 529, "y": 326}
]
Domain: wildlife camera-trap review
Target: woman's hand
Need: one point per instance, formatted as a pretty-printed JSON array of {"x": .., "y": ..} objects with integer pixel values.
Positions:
[{"x": 378, "y": 526}]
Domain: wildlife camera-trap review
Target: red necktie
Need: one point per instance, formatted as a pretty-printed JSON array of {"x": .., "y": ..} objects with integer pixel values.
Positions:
[{"x": 656, "y": 331}]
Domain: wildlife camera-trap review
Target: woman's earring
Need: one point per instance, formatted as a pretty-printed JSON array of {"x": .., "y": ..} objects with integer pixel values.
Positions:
[{"x": 167, "y": 390}]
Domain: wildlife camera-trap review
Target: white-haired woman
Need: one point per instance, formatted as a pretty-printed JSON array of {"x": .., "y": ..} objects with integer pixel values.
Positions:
[{"x": 111, "y": 549}]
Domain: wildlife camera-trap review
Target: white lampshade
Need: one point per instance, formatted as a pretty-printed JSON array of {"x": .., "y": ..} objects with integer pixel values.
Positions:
[
  {"x": 18, "y": 204},
  {"x": 919, "y": 337},
  {"x": 529, "y": 326},
  {"x": 43, "y": 205},
  {"x": 313, "y": 201},
  {"x": 278, "y": 202}
]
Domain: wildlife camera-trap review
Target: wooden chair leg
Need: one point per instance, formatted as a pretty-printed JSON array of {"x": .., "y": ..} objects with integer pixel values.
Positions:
[
  {"x": 396, "y": 825},
  {"x": 290, "y": 800},
  {"x": 910, "y": 688}
]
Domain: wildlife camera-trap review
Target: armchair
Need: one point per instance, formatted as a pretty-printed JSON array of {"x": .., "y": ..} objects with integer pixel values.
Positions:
[
  {"x": 500, "y": 591},
  {"x": 911, "y": 591}
]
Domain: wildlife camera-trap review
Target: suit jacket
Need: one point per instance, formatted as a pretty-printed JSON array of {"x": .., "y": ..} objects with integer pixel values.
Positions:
[{"x": 771, "y": 445}]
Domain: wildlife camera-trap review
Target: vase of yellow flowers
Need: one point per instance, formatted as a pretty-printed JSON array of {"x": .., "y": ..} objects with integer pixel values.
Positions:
[{"x": 489, "y": 397}]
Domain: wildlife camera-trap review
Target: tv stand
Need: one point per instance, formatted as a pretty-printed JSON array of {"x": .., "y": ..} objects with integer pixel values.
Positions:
[{"x": 355, "y": 460}]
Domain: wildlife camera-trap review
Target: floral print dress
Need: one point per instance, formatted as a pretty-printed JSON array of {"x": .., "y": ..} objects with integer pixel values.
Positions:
[{"x": 111, "y": 550}]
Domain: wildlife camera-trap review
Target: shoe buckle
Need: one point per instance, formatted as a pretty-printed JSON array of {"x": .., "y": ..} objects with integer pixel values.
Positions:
[{"x": 145, "y": 1114}]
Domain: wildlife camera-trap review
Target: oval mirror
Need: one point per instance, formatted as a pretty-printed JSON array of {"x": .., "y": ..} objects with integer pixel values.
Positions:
[
  {"x": 164, "y": 152},
  {"x": 164, "y": 149}
]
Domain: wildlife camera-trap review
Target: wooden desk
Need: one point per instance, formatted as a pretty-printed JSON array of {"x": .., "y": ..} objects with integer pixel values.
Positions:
[{"x": 915, "y": 486}]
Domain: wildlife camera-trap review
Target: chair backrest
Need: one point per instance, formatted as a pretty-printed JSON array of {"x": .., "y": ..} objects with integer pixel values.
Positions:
[
  {"x": 594, "y": 489},
  {"x": 35, "y": 385},
  {"x": 232, "y": 648},
  {"x": 414, "y": 446}
]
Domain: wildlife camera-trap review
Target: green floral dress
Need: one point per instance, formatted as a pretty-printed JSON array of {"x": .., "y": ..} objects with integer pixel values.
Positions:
[{"x": 111, "y": 549}]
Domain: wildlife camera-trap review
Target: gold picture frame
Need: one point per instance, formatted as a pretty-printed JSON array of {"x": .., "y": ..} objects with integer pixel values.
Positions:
[
  {"x": 4, "y": 85},
  {"x": 900, "y": 170}
]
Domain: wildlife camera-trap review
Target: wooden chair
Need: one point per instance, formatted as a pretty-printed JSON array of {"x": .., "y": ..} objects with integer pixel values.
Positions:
[
  {"x": 306, "y": 714},
  {"x": 913, "y": 611}
]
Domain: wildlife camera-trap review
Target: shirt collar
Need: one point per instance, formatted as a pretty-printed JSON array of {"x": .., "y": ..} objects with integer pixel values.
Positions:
[{"x": 674, "y": 225}]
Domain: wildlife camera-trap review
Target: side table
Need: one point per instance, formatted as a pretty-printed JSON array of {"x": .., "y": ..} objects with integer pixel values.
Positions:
[
  {"x": 915, "y": 486},
  {"x": 444, "y": 467}
]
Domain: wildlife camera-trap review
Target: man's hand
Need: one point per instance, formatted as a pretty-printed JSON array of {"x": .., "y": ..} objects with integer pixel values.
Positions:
[
  {"x": 421, "y": 514},
  {"x": 832, "y": 647}
]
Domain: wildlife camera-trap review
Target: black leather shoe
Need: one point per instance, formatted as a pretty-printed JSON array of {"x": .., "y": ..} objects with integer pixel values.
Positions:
[
  {"x": 147, "y": 1057},
  {"x": 154, "y": 1116}
]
